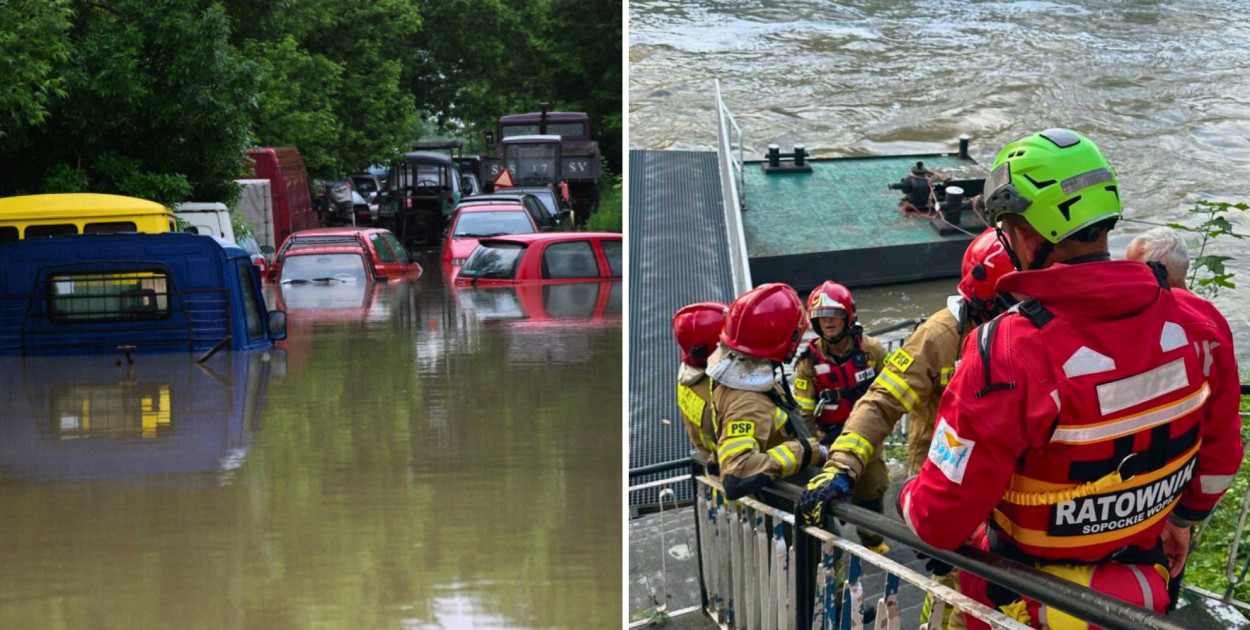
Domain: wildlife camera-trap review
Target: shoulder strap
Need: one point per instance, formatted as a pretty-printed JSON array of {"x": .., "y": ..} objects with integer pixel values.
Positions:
[
  {"x": 985, "y": 343},
  {"x": 1161, "y": 273},
  {"x": 1035, "y": 312}
]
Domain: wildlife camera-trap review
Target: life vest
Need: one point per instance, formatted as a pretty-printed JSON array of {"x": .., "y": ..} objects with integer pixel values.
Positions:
[
  {"x": 848, "y": 380},
  {"x": 1131, "y": 396}
]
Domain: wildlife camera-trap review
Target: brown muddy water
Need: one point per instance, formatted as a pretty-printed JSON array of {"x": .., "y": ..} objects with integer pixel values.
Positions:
[
  {"x": 411, "y": 457},
  {"x": 1161, "y": 86}
]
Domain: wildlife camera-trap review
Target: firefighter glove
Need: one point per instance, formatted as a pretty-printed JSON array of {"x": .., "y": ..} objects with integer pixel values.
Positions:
[{"x": 829, "y": 485}]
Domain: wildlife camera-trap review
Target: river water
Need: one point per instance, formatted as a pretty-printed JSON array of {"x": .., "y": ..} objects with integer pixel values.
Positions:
[
  {"x": 413, "y": 456},
  {"x": 1161, "y": 87}
]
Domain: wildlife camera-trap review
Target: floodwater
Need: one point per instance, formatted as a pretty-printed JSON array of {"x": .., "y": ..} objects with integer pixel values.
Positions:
[
  {"x": 1159, "y": 85},
  {"x": 411, "y": 457}
]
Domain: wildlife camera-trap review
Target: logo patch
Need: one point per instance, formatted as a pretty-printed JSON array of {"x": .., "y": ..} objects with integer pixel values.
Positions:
[
  {"x": 1119, "y": 510},
  {"x": 800, "y": 383},
  {"x": 900, "y": 360},
  {"x": 865, "y": 375},
  {"x": 740, "y": 428},
  {"x": 949, "y": 452}
]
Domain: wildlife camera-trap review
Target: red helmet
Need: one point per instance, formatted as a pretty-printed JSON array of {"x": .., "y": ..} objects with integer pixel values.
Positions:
[
  {"x": 697, "y": 327},
  {"x": 766, "y": 322},
  {"x": 985, "y": 261},
  {"x": 829, "y": 298}
]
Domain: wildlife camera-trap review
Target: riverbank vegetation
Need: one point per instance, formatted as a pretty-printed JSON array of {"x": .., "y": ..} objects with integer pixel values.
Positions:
[
  {"x": 610, "y": 215},
  {"x": 157, "y": 98},
  {"x": 1208, "y": 563}
]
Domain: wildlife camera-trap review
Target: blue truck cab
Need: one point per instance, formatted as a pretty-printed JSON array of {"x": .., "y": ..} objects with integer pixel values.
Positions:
[{"x": 131, "y": 292}]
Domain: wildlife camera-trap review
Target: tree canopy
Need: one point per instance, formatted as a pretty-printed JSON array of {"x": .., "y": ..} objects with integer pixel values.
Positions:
[{"x": 157, "y": 98}]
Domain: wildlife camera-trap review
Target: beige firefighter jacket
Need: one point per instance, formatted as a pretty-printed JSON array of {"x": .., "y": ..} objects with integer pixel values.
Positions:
[
  {"x": 756, "y": 440},
  {"x": 807, "y": 390},
  {"x": 912, "y": 381},
  {"x": 693, "y": 398}
]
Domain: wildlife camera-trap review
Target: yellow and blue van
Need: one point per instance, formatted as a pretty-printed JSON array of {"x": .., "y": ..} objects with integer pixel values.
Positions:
[{"x": 38, "y": 216}]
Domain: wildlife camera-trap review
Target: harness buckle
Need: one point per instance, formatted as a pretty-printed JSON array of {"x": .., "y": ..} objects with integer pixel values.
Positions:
[{"x": 1120, "y": 467}]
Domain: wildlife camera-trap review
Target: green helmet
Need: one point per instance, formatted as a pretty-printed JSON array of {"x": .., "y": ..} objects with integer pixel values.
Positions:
[{"x": 1057, "y": 180}]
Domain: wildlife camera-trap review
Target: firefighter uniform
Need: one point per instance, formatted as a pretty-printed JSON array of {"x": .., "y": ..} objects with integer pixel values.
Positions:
[
  {"x": 758, "y": 439},
  {"x": 693, "y": 398},
  {"x": 911, "y": 381},
  {"x": 1078, "y": 423},
  {"x": 845, "y": 379},
  {"x": 842, "y": 382}
]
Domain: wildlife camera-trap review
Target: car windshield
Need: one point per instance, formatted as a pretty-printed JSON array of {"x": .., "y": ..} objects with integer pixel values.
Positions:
[
  {"x": 497, "y": 260},
  {"x": 302, "y": 268},
  {"x": 364, "y": 185},
  {"x": 492, "y": 223},
  {"x": 548, "y": 199}
]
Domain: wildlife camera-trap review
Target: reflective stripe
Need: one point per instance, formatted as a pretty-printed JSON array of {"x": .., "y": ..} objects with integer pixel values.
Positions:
[
  {"x": 1140, "y": 388},
  {"x": 1172, "y": 337},
  {"x": 855, "y": 443},
  {"x": 1082, "y": 434},
  {"x": 1212, "y": 484},
  {"x": 946, "y": 374},
  {"x": 785, "y": 457},
  {"x": 898, "y": 388},
  {"x": 779, "y": 417},
  {"x": 735, "y": 446},
  {"x": 806, "y": 403},
  {"x": 907, "y": 512},
  {"x": 822, "y": 368},
  {"x": 1148, "y": 597}
]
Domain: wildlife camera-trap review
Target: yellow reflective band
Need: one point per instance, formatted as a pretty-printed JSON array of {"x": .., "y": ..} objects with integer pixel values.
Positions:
[
  {"x": 779, "y": 417},
  {"x": 785, "y": 457},
  {"x": 855, "y": 443},
  {"x": 806, "y": 403},
  {"x": 946, "y": 374},
  {"x": 692, "y": 404},
  {"x": 899, "y": 389},
  {"x": 800, "y": 383},
  {"x": 735, "y": 446}
]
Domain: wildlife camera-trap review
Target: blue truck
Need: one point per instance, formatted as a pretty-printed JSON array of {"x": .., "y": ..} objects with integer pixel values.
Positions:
[{"x": 131, "y": 292}]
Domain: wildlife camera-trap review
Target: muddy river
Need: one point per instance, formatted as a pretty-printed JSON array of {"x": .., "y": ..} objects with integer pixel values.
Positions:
[
  {"x": 413, "y": 456},
  {"x": 1160, "y": 86}
]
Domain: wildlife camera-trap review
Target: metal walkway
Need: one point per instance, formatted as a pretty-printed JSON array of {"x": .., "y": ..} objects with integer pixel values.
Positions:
[{"x": 678, "y": 254}]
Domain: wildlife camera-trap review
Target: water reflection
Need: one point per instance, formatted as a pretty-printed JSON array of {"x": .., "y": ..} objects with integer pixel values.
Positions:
[
  {"x": 413, "y": 469},
  {"x": 86, "y": 419}
]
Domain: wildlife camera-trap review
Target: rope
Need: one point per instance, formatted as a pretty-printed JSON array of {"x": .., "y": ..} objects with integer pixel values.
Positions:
[
  {"x": 931, "y": 213},
  {"x": 1054, "y": 497}
]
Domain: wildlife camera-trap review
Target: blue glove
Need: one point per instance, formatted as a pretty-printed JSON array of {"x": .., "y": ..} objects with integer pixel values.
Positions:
[{"x": 829, "y": 485}]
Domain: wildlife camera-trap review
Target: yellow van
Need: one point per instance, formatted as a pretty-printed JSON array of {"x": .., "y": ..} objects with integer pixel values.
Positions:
[{"x": 35, "y": 216}]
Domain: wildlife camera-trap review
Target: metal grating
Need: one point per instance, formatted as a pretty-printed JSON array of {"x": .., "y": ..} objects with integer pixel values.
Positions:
[{"x": 678, "y": 254}]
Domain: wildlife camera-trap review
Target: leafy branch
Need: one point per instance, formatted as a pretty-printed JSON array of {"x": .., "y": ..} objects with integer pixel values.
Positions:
[{"x": 1207, "y": 274}]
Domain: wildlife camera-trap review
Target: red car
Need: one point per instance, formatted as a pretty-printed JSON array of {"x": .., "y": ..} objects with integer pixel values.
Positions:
[
  {"x": 384, "y": 256},
  {"x": 473, "y": 222},
  {"x": 555, "y": 257}
]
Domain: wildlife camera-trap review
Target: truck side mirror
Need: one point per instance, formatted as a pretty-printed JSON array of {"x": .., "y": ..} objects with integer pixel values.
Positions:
[{"x": 277, "y": 325}]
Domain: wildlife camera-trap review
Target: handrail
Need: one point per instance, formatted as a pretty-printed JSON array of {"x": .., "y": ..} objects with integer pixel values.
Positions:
[
  {"x": 1087, "y": 604},
  {"x": 676, "y": 464},
  {"x": 731, "y": 181}
]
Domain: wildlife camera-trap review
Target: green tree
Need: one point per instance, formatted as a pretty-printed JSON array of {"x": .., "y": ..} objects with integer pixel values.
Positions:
[
  {"x": 331, "y": 85},
  {"x": 33, "y": 44},
  {"x": 153, "y": 102}
]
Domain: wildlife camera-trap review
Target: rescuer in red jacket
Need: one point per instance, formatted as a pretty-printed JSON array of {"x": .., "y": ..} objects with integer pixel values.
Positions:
[{"x": 1088, "y": 428}]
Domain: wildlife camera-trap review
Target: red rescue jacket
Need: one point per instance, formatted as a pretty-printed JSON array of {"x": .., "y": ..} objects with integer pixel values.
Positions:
[
  {"x": 1077, "y": 422},
  {"x": 848, "y": 381}
]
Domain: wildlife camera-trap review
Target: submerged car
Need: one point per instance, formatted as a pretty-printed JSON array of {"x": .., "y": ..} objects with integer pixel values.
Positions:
[
  {"x": 384, "y": 257},
  {"x": 474, "y": 222},
  {"x": 544, "y": 258}
]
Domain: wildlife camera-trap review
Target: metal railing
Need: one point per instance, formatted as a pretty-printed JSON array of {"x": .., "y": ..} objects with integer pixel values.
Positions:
[
  {"x": 729, "y": 137},
  {"x": 757, "y": 568}
]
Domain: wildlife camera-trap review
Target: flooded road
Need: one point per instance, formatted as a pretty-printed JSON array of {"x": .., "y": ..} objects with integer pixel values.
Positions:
[
  {"x": 1160, "y": 86},
  {"x": 411, "y": 457}
]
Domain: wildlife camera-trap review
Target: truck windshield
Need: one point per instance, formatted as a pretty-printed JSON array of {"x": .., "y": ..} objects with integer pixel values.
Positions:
[
  {"x": 532, "y": 163},
  {"x": 497, "y": 260},
  {"x": 494, "y": 223},
  {"x": 564, "y": 130},
  {"x": 302, "y": 268}
]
